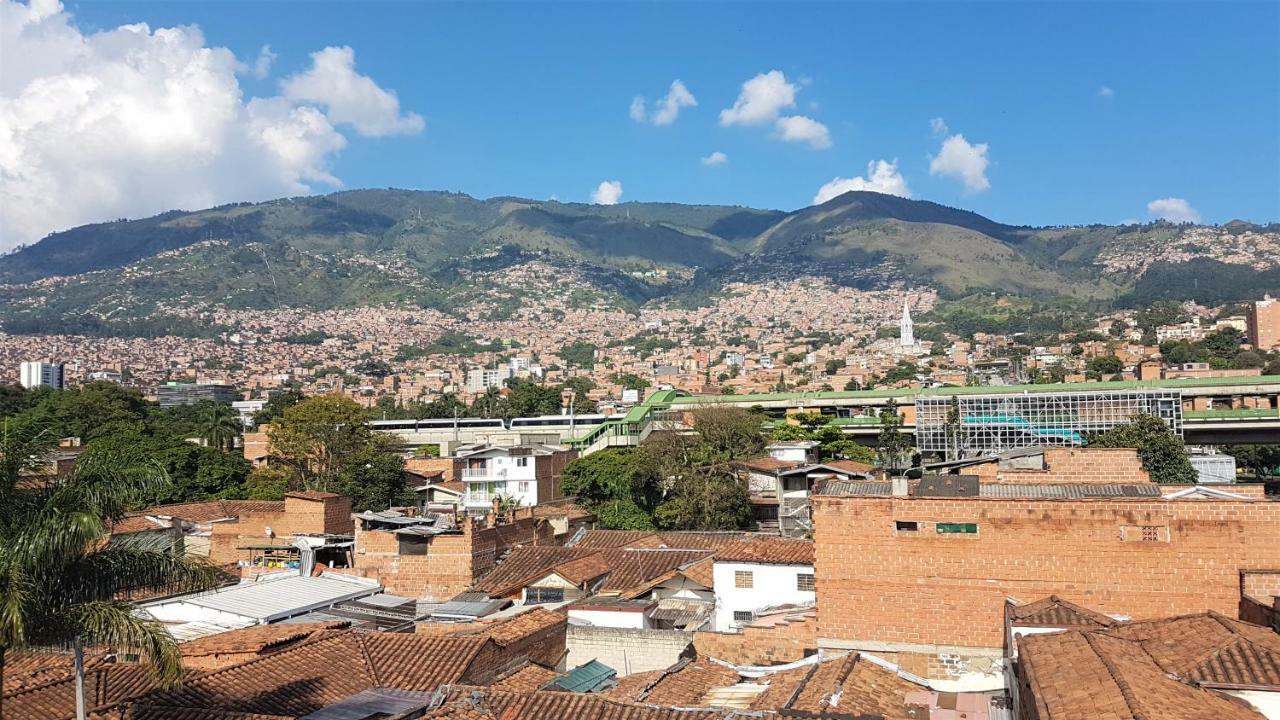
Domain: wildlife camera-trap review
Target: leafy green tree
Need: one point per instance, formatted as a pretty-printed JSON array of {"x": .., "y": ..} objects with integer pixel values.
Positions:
[
  {"x": 623, "y": 514},
  {"x": 220, "y": 426},
  {"x": 13, "y": 400},
  {"x": 373, "y": 478},
  {"x": 63, "y": 578},
  {"x": 446, "y": 406},
  {"x": 268, "y": 483},
  {"x": 1105, "y": 365},
  {"x": 631, "y": 381},
  {"x": 277, "y": 403},
  {"x": 579, "y": 354},
  {"x": 1248, "y": 359},
  {"x": 95, "y": 410},
  {"x": 317, "y": 434},
  {"x": 1261, "y": 460},
  {"x": 703, "y": 500},
  {"x": 1163, "y": 453},
  {"x": 891, "y": 445}
]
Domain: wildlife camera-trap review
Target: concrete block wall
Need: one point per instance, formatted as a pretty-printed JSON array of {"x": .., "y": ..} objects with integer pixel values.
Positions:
[{"x": 625, "y": 650}]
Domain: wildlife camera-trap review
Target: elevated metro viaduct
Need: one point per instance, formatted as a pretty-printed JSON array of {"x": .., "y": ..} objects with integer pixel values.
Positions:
[{"x": 1214, "y": 410}]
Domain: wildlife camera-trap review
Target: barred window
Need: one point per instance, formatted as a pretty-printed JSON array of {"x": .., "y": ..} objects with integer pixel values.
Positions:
[
  {"x": 742, "y": 617},
  {"x": 804, "y": 582},
  {"x": 744, "y": 579},
  {"x": 540, "y": 595}
]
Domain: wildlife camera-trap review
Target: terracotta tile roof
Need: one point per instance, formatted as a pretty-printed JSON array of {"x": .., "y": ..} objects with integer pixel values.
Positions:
[
  {"x": 629, "y": 570},
  {"x": 700, "y": 572},
  {"x": 634, "y": 572},
  {"x": 685, "y": 540},
  {"x": 516, "y": 627},
  {"x": 851, "y": 466},
  {"x": 210, "y": 510},
  {"x": 1209, "y": 649},
  {"x": 466, "y": 703},
  {"x": 848, "y": 685},
  {"x": 768, "y": 550},
  {"x": 584, "y": 569},
  {"x": 526, "y": 678},
  {"x": 104, "y": 685},
  {"x": 30, "y": 668},
  {"x": 570, "y": 510},
  {"x": 256, "y": 639},
  {"x": 322, "y": 671},
  {"x": 523, "y": 565},
  {"x": 138, "y": 523},
  {"x": 1053, "y": 611},
  {"x": 311, "y": 495},
  {"x": 769, "y": 464},
  {"x": 1098, "y": 676}
]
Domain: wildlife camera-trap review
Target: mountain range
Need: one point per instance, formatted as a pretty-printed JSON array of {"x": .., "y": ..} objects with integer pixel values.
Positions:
[{"x": 366, "y": 247}]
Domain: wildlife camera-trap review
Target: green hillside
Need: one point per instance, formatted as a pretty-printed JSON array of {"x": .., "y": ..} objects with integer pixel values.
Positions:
[{"x": 365, "y": 247}]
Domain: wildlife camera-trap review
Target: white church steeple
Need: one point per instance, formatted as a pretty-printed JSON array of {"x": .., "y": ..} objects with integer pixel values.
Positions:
[{"x": 906, "y": 331}]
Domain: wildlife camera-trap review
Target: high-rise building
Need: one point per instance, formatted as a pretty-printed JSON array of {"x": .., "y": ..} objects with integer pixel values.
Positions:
[
  {"x": 172, "y": 394},
  {"x": 37, "y": 374},
  {"x": 1264, "y": 323},
  {"x": 906, "y": 329}
]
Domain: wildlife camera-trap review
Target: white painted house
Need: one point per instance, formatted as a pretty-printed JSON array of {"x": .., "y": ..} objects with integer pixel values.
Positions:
[
  {"x": 758, "y": 574},
  {"x": 528, "y": 474}
]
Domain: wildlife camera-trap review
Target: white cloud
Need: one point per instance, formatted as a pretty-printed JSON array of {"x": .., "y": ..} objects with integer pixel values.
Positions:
[
  {"x": 608, "y": 192},
  {"x": 1173, "y": 209},
  {"x": 1106, "y": 92},
  {"x": 882, "y": 177},
  {"x": 667, "y": 109},
  {"x": 350, "y": 98},
  {"x": 262, "y": 66},
  {"x": 967, "y": 163},
  {"x": 938, "y": 127},
  {"x": 715, "y": 158},
  {"x": 761, "y": 102},
  {"x": 132, "y": 121},
  {"x": 762, "y": 98},
  {"x": 798, "y": 128}
]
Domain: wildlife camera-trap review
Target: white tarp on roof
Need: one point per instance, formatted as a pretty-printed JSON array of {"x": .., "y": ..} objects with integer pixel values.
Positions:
[{"x": 255, "y": 603}]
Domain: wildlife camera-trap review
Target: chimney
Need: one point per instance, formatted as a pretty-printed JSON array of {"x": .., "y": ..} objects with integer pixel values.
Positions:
[{"x": 900, "y": 484}]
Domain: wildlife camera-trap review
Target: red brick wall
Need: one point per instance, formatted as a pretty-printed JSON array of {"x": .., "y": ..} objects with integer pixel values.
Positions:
[
  {"x": 1074, "y": 465},
  {"x": 877, "y": 584},
  {"x": 782, "y": 643},
  {"x": 452, "y": 562},
  {"x": 301, "y": 515}
]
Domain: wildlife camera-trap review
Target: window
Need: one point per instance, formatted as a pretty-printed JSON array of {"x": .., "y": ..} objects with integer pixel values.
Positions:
[
  {"x": 906, "y": 525},
  {"x": 1150, "y": 533},
  {"x": 744, "y": 579},
  {"x": 961, "y": 528},
  {"x": 804, "y": 582},
  {"x": 540, "y": 595},
  {"x": 522, "y": 462},
  {"x": 523, "y": 486},
  {"x": 742, "y": 617},
  {"x": 1145, "y": 533}
]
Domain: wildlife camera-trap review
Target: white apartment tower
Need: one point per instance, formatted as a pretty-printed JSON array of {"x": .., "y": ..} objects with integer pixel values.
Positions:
[
  {"x": 35, "y": 374},
  {"x": 906, "y": 331}
]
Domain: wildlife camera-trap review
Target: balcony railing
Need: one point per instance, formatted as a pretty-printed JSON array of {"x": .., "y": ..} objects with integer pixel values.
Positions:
[{"x": 483, "y": 473}]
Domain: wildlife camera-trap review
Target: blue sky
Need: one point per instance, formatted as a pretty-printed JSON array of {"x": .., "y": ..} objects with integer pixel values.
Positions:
[{"x": 533, "y": 99}]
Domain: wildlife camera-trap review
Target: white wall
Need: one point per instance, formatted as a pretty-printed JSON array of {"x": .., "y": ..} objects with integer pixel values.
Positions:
[
  {"x": 607, "y": 618},
  {"x": 1267, "y": 703},
  {"x": 773, "y": 585}
]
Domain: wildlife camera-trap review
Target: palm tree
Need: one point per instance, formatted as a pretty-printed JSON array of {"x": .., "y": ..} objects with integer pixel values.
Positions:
[
  {"x": 63, "y": 578},
  {"x": 220, "y": 426}
]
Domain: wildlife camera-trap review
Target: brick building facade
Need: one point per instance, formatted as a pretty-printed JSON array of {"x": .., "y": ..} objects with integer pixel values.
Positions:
[
  {"x": 438, "y": 567},
  {"x": 912, "y": 574},
  {"x": 300, "y": 513}
]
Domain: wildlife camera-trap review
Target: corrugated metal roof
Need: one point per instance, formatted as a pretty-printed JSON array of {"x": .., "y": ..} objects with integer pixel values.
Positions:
[
  {"x": 1069, "y": 491},
  {"x": 591, "y": 677},
  {"x": 856, "y": 487},
  {"x": 378, "y": 702},
  {"x": 275, "y": 599}
]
